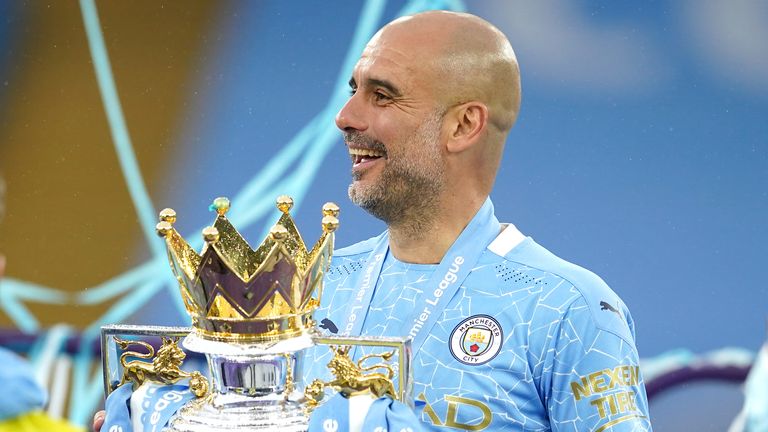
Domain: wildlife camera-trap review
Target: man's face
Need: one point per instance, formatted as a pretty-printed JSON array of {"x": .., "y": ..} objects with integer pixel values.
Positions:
[{"x": 392, "y": 126}]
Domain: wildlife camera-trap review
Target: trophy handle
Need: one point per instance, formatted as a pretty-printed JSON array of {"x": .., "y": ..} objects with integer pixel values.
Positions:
[
  {"x": 377, "y": 383},
  {"x": 351, "y": 378},
  {"x": 135, "y": 367}
]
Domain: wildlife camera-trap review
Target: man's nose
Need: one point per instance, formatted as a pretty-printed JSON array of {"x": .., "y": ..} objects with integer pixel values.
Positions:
[{"x": 351, "y": 116}]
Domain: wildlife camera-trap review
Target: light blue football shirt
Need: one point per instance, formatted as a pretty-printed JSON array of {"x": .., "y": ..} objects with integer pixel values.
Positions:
[{"x": 528, "y": 343}]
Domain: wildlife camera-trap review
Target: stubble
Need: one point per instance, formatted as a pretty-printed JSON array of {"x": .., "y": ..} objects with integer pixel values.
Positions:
[{"x": 405, "y": 196}]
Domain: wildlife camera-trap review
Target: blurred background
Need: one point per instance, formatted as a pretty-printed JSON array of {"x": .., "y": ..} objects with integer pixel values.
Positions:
[{"x": 641, "y": 153}]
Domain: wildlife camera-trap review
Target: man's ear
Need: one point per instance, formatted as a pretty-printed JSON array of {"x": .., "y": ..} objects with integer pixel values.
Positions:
[{"x": 467, "y": 122}]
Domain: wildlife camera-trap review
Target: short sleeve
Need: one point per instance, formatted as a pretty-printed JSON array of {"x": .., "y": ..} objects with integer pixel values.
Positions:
[
  {"x": 20, "y": 392},
  {"x": 595, "y": 382}
]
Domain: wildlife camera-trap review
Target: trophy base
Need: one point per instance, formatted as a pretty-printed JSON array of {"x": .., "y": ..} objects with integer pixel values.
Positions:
[
  {"x": 219, "y": 413},
  {"x": 253, "y": 388}
]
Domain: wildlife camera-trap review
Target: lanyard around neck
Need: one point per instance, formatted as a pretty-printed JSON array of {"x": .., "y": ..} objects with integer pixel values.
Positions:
[{"x": 445, "y": 281}]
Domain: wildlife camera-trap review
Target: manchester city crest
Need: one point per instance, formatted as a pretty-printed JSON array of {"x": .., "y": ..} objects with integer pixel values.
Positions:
[{"x": 476, "y": 340}]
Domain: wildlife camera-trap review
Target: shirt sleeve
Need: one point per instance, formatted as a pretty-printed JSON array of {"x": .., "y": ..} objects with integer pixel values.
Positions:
[
  {"x": 595, "y": 382},
  {"x": 20, "y": 393}
]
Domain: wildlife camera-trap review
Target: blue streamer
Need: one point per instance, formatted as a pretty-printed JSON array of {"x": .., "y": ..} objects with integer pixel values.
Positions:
[
  {"x": 13, "y": 290},
  {"x": 256, "y": 187},
  {"x": 122, "y": 140},
  {"x": 47, "y": 348},
  {"x": 126, "y": 306},
  {"x": 122, "y": 283},
  {"x": 83, "y": 400},
  {"x": 30, "y": 291},
  {"x": 20, "y": 315}
]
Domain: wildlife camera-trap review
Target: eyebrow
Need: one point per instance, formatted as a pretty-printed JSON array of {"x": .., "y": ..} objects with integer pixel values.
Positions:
[{"x": 376, "y": 82}]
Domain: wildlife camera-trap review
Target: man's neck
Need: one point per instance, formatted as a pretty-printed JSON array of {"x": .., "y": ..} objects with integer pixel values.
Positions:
[{"x": 429, "y": 242}]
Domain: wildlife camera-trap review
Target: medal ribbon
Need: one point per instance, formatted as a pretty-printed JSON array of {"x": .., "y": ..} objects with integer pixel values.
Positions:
[
  {"x": 446, "y": 280},
  {"x": 149, "y": 409}
]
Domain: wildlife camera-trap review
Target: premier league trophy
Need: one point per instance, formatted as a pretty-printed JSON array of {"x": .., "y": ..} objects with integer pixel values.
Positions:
[{"x": 251, "y": 316}]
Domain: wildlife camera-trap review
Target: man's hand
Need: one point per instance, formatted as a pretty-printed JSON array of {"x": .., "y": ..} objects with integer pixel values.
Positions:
[{"x": 98, "y": 420}]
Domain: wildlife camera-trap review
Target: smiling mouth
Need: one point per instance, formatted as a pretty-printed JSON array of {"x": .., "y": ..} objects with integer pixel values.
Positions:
[{"x": 362, "y": 155}]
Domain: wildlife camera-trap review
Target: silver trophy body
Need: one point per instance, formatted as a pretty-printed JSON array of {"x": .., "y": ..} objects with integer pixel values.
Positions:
[{"x": 253, "y": 388}]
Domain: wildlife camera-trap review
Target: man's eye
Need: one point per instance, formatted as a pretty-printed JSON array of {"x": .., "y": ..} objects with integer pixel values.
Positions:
[
  {"x": 378, "y": 96},
  {"x": 352, "y": 91}
]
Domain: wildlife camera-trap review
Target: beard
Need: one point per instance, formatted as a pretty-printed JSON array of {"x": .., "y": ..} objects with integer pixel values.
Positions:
[{"x": 405, "y": 195}]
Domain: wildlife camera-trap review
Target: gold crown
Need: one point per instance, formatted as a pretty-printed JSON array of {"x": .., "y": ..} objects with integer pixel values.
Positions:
[{"x": 237, "y": 294}]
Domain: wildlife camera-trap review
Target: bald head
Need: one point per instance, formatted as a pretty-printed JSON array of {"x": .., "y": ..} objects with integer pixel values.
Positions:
[
  {"x": 470, "y": 58},
  {"x": 433, "y": 98}
]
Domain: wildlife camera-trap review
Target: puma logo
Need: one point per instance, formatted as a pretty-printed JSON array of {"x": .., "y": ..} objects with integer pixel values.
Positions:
[
  {"x": 328, "y": 325},
  {"x": 607, "y": 306}
]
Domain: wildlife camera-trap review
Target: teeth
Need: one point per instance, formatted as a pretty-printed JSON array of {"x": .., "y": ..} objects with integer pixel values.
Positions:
[{"x": 365, "y": 152}]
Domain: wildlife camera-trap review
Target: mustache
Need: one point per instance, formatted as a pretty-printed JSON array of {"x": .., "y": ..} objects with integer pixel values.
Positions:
[{"x": 360, "y": 140}]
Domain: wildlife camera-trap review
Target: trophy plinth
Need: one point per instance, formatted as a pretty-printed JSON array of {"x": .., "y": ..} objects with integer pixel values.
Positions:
[{"x": 253, "y": 388}]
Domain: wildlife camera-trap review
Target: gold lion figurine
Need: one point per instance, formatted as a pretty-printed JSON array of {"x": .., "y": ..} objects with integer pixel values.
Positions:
[
  {"x": 351, "y": 379},
  {"x": 165, "y": 367}
]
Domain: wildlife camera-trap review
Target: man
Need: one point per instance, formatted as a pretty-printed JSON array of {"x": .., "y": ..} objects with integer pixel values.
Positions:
[{"x": 506, "y": 336}]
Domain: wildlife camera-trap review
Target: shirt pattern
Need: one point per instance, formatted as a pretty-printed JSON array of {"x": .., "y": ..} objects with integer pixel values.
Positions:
[{"x": 566, "y": 362}]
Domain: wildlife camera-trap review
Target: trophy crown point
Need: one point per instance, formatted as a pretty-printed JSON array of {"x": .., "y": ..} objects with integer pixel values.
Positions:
[
  {"x": 163, "y": 228},
  {"x": 220, "y": 205},
  {"x": 236, "y": 293},
  {"x": 284, "y": 203},
  {"x": 330, "y": 209},
  {"x": 278, "y": 233},
  {"x": 330, "y": 223},
  {"x": 210, "y": 234},
  {"x": 168, "y": 215}
]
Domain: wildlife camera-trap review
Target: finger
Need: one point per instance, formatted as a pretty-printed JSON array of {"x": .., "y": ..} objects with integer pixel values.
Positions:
[{"x": 98, "y": 420}]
